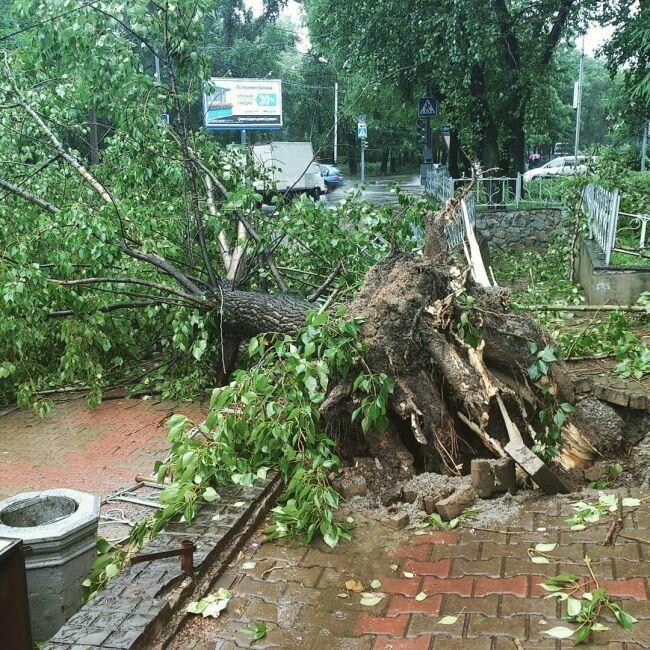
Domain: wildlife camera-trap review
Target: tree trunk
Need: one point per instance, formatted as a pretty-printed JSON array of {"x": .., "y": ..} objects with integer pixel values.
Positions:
[
  {"x": 383, "y": 167},
  {"x": 453, "y": 155}
]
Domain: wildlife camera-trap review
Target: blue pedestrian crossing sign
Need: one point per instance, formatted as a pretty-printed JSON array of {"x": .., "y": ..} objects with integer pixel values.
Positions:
[{"x": 427, "y": 107}]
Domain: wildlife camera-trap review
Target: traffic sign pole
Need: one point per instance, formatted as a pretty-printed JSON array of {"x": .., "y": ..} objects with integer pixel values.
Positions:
[{"x": 363, "y": 161}]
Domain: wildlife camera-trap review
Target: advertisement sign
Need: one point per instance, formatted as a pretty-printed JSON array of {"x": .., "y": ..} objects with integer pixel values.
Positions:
[{"x": 242, "y": 104}]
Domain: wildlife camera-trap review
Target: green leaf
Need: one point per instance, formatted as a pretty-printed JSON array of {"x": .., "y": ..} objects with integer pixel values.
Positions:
[
  {"x": 626, "y": 620},
  {"x": 599, "y": 627},
  {"x": 210, "y": 494},
  {"x": 582, "y": 633},
  {"x": 536, "y": 559},
  {"x": 630, "y": 502},
  {"x": 370, "y": 601},
  {"x": 111, "y": 570},
  {"x": 421, "y": 596},
  {"x": 256, "y": 631},
  {"x": 573, "y": 606},
  {"x": 448, "y": 620},
  {"x": 559, "y": 632},
  {"x": 375, "y": 584},
  {"x": 545, "y": 548}
]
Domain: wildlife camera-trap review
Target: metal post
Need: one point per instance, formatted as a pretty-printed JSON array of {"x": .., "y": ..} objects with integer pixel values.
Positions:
[
  {"x": 243, "y": 137},
  {"x": 579, "y": 106},
  {"x": 363, "y": 161},
  {"x": 157, "y": 63},
  {"x": 644, "y": 146},
  {"x": 518, "y": 189},
  {"x": 613, "y": 222},
  {"x": 336, "y": 120}
]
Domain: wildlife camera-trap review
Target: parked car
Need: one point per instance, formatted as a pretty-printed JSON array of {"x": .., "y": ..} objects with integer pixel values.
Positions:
[
  {"x": 562, "y": 166},
  {"x": 332, "y": 176}
]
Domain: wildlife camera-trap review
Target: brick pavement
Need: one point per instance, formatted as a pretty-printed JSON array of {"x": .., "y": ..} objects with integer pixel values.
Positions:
[
  {"x": 96, "y": 450},
  {"x": 483, "y": 577}
]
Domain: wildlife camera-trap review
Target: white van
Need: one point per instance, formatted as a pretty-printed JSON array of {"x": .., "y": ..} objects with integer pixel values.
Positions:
[{"x": 289, "y": 167}]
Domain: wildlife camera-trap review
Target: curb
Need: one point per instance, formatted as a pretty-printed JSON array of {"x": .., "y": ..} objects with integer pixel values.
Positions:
[{"x": 144, "y": 605}]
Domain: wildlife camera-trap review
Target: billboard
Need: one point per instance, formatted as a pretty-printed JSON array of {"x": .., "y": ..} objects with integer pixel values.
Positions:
[{"x": 237, "y": 104}]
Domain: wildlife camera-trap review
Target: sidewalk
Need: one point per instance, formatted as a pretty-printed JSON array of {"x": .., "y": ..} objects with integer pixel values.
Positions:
[
  {"x": 485, "y": 578},
  {"x": 95, "y": 450}
]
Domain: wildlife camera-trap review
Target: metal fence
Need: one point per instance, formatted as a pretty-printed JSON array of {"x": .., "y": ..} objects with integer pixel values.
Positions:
[
  {"x": 496, "y": 192},
  {"x": 635, "y": 222},
  {"x": 439, "y": 184},
  {"x": 601, "y": 206},
  {"x": 455, "y": 231}
]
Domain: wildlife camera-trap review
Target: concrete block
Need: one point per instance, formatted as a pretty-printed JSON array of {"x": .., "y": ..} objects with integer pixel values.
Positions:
[
  {"x": 353, "y": 486},
  {"x": 490, "y": 476},
  {"x": 396, "y": 521},
  {"x": 454, "y": 505}
]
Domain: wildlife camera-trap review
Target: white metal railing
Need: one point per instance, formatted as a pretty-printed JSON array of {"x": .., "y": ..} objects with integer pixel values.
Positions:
[
  {"x": 455, "y": 231},
  {"x": 601, "y": 206},
  {"x": 495, "y": 192},
  {"x": 637, "y": 221},
  {"x": 439, "y": 184}
]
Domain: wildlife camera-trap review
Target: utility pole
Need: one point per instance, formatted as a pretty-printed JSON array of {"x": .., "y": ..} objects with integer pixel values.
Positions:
[
  {"x": 363, "y": 161},
  {"x": 336, "y": 120},
  {"x": 579, "y": 99},
  {"x": 644, "y": 145},
  {"x": 243, "y": 137}
]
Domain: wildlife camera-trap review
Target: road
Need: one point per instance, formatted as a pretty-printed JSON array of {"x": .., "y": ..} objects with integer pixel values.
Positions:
[{"x": 378, "y": 190}]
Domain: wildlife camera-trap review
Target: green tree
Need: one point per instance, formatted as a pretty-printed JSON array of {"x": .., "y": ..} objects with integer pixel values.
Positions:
[{"x": 485, "y": 60}]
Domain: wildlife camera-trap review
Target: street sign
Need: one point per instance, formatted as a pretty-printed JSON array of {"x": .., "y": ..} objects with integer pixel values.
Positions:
[
  {"x": 427, "y": 107},
  {"x": 242, "y": 104},
  {"x": 445, "y": 129},
  {"x": 362, "y": 128}
]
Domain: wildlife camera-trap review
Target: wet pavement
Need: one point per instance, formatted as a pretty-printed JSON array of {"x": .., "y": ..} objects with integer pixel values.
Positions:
[
  {"x": 96, "y": 450},
  {"x": 377, "y": 191},
  {"x": 482, "y": 578}
]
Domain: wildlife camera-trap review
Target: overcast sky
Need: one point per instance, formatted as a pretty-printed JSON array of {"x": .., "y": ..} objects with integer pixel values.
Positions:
[{"x": 595, "y": 37}]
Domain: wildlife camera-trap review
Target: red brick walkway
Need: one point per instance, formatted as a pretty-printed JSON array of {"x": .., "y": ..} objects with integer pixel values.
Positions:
[
  {"x": 484, "y": 577},
  {"x": 96, "y": 450}
]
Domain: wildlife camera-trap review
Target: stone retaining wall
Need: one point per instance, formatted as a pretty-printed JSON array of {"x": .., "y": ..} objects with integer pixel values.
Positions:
[{"x": 524, "y": 228}]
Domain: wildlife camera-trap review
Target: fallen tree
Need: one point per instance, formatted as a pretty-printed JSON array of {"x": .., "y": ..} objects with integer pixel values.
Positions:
[{"x": 109, "y": 258}]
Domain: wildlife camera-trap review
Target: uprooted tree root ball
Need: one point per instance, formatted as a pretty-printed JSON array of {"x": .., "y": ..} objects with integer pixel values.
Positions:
[{"x": 459, "y": 359}]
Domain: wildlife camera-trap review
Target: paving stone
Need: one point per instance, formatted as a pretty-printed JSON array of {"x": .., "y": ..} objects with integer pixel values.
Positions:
[
  {"x": 516, "y": 586},
  {"x": 469, "y": 551},
  {"x": 445, "y": 643},
  {"x": 458, "y": 586},
  {"x": 405, "y": 586},
  {"x": 391, "y": 625},
  {"x": 487, "y": 606},
  {"x": 420, "y": 552},
  {"x": 269, "y": 591},
  {"x": 515, "y": 606},
  {"x": 514, "y": 626},
  {"x": 441, "y": 568},
  {"x": 399, "y": 604},
  {"x": 420, "y": 643},
  {"x": 490, "y": 567},
  {"x": 422, "y": 624}
]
